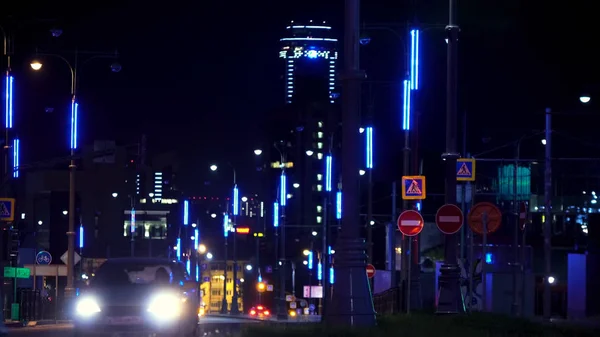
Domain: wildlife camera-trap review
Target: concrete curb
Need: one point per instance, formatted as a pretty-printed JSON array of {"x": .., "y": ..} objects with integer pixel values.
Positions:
[{"x": 31, "y": 324}]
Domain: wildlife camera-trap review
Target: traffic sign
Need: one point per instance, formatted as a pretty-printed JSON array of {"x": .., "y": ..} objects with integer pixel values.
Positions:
[
  {"x": 475, "y": 217},
  {"x": 7, "y": 209},
  {"x": 449, "y": 219},
  {"x": 370, "y": 271},
  {"x": 523, "y": 215},
  {"x": 413, "y": 188},
  {"x": 12, "y": 272},
  {"x": 43, "y": 257},
  {"x": 465, "y": 169},
  {"x": 410, "y": 223},
  {"x": 76, "y": 258}
]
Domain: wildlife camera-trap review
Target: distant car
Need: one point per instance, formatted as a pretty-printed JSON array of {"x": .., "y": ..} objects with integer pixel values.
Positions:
[
  {"x": 138, "y": 296},
  {"x": 259, "y": 311}
]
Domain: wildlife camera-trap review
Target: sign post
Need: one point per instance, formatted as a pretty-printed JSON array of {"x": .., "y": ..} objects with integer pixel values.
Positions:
[{"x": 449, "y": 219}]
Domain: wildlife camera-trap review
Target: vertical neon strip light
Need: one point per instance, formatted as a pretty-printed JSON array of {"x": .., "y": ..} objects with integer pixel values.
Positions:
[
  {"x": 188, "y": 266},
  {"x": 16, "y": 163},
  {"x": 236, "y": 204},
  {"x": 369, "y": 141},
  {"x": 276, "y": 215},
  {"x": 406, "y": 107},
  {"x": 338, "y": 205},
  {"x": 80, "y": 236},
  {"x": 186, "y": 212},
  {"x": 225, "y": 225},
  {"x": 283, "y": 190},
  {"x": 310, "y": 260},
  {"x": 8, "y": 108},
  {"x": 319, "y": 271},
  {"x": 414, "y": 59},
  {"x": 132, "y": 222},
  {"x": 196, "y": 238},
  {"x": 328, "y": 164},
  {"x": 262, "y": 209},
  {"x": 178, "y": 249},
  {"x": 331, "y": 276},
  {"x": 74, "y": 123}
]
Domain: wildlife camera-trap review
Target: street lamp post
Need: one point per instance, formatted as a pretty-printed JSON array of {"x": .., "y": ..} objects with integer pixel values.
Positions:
[
  {"x": 74, "y": 138},
  {"x": 234, "y": 299},
  {"x": 450, "y": 298}
]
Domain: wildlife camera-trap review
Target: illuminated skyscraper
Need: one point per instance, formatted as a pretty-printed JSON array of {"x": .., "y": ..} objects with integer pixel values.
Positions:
[
  {"x": 310, "y": 58},
  {"x": 307, "y": 125}
]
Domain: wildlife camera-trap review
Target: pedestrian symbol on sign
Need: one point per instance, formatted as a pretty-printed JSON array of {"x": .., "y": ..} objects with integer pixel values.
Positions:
[{"x": 464, "y": 171}]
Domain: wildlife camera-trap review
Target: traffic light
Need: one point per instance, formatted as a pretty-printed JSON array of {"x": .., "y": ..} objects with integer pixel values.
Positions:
[
  {"x": 261, "y": 287},
  {"x": 14, "y": 243}
]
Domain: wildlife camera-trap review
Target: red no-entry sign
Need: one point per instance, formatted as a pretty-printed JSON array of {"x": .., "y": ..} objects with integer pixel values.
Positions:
[
  {"x": 370, "y": 271},
  {"x": 449, "y": 219},
  {"x": 410, "y": 223}
]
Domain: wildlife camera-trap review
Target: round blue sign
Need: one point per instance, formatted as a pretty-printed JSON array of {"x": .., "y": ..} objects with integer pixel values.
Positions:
[{"x": 43, "y": 257}]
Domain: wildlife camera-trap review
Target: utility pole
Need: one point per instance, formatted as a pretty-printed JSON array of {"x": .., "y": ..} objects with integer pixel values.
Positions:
[
  {"x": 548, "y": 214},
  {"x": 516, "y": 265},
  {"x": 352, "y": 304},
  {"x": 450, "y": 298}
]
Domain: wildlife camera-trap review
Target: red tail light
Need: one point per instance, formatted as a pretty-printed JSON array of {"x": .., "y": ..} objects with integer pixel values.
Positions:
[
  {"x": 252, "y": 312},
  {"x": 266, "y": 312},
  {"x": 260, "y": 307}
]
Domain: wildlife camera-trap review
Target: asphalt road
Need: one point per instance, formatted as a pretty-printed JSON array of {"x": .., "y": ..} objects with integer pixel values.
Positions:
[{"x": 209, "y": 324}]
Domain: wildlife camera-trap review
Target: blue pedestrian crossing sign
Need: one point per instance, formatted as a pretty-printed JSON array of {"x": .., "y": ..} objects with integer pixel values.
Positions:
[
  {"x": 465, "y": 169},
  {"x": 413, "y": 188},
  {"x": 7, "y": 209}
]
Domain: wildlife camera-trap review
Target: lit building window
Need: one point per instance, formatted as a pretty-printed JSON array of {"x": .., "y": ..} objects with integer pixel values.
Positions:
[
  {"x": 319, "y": 145},
  {"x": 319, "y": 219},
  {"x": 319, "y": 156},
  {"x": 320, "y": 135},
  {"x": 319, "y": 188},
  {"x": 319, "y": 177},
  {"x": 319, "y": 208},
  {"x": 320, "y": 124}
]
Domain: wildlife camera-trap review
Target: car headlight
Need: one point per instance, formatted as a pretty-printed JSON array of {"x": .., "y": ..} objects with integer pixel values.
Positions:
[
  {"x": 87, "y": 306},
  {"x": 165, "y": 306}
]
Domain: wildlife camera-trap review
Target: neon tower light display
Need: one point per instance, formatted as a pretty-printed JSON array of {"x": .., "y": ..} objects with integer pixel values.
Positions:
[{"x": 306, "y": 50}]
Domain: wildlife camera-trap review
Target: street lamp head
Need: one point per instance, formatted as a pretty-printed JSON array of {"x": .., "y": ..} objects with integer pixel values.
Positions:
[
  {"x": 213, "y": 215},
  {"x": 362, "y": 172},
  {"x": 364, "y": 39},
  {"x": 209, "y": 256},
  {"x": 543, "y": 141},
  {"x": 244, "y": 199},
  {"x": 36, "y": 65},
  {"x": 305, "y": 252},
  {"x": 258, "y": 152},
  {"x": 213, "y": 167},
  {"x": 585, "y": 99},
  {"x": 309, "y": 152},
  {"x": 296, "y": 185},
  {"x": 115, "y": 194},
  {"x": 202, "y": 249},
  {"x": 115, "y": 67}
]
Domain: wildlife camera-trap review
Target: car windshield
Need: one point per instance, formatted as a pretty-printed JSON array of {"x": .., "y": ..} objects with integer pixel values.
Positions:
[{"x": 122, "y": 274}]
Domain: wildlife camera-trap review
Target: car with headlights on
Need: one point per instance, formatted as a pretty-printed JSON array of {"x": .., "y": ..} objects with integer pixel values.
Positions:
[{"x": 138, "y": 297}]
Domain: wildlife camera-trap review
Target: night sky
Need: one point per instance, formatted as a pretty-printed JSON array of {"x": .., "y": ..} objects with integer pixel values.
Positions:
[{"x": 202, "y": 78}]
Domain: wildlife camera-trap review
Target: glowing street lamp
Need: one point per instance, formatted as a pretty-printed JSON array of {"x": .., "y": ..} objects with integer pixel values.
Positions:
[
  {"x": 36, "y": 65},
  {"x": 258, "y": 152},
  {"x": 213, "y": 167},
  {"x": 201, "y": 248},
  {"x": 585, "y": 99}
]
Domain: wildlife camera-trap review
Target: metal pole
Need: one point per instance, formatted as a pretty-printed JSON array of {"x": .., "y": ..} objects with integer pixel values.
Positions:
[
  {"x": 391, "y": 232},
  {"x": 278, "y": 307},
  {"x": 224, "y": 301},
  {"x": 235, "y": 310},
  {"x": 450, "y": 299},
  {"x": 405, "y": 241},
  {"x": 484, "y": 263},
  {"x": 463, "y": 202},
  {"x": 523, "y": 263},
  {"x": 516, "y": 266},
  {"x": 548, "y": 215},
  {"x": 282, "y": 314},
  {"x": 370, "y": 217},
  {"x": 325, "y": 253},
  {"x": 352, "y": 302}
]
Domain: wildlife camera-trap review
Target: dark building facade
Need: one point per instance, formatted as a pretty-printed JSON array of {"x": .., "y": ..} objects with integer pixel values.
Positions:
[{"x": 105, "y": 197}]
